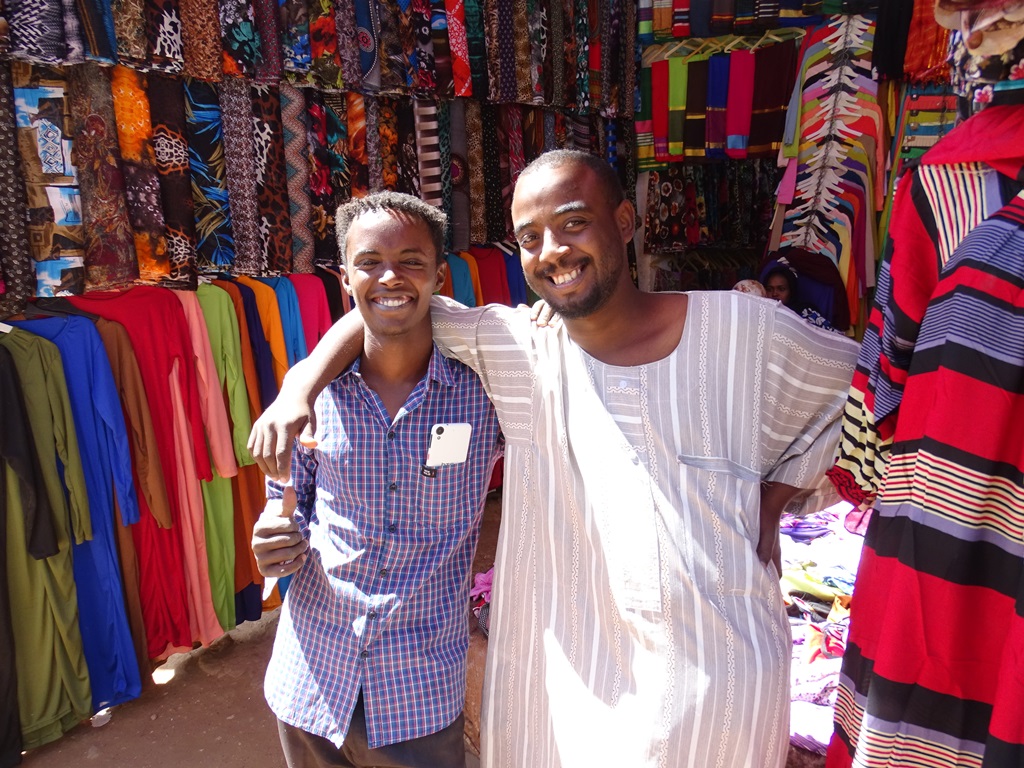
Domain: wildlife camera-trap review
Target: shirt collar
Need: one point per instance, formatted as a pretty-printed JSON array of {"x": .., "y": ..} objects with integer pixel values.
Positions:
[{"x": 443, "y": 370}]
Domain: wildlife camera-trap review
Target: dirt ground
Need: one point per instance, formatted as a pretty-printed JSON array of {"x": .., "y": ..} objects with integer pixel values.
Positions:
[{"x": 207, "y": 708}]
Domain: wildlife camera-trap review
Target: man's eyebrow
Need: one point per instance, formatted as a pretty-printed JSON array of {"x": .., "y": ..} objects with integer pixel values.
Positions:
[{"x": 571, "y": 207}]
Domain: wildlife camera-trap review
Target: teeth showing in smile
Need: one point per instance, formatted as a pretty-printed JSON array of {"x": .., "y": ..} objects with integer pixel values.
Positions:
[
  {"x": 565, "y": 278},
  {"x": 391, "y": 302}
]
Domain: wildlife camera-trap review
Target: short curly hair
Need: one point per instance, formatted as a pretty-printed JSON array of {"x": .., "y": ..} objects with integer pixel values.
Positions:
[{"x": 399, "y": 202}]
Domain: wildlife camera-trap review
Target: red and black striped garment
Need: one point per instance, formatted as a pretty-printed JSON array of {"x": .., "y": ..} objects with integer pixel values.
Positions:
[{"x": 933, "y": 673}]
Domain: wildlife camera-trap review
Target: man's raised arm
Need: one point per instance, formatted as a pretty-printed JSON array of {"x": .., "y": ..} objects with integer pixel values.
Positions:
[{"x": 270, "y": 441}]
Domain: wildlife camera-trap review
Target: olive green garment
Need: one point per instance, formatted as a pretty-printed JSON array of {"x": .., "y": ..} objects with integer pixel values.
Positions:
[{"x": 53, "y": 681}]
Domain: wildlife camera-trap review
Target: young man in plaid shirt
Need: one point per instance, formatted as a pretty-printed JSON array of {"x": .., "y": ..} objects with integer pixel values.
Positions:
[{"x": 369, "y": 661}]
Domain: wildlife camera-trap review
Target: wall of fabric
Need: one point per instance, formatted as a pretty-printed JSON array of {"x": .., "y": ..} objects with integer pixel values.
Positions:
[{"x": 138, "y": 129}]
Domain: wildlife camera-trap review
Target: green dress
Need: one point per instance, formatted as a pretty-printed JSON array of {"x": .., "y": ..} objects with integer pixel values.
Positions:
[{"x": 53, "y": 681}]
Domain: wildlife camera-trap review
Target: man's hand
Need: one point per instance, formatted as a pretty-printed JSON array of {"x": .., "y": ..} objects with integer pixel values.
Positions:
[
  {"x": 544, "y": 316},
  {"x": 279, "y": 547},
  {"x": 774, "y": 498},
  {"x": 271, "y": 438}
]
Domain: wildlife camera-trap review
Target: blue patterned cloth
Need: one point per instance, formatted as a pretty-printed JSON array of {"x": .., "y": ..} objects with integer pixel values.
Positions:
[{"x": 381, "y": 604}]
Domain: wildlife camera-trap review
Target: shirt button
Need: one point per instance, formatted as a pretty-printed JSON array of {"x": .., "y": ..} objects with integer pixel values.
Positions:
[
  {"x": 392, "y": 528},
  {"x": 383, "y": 572},
  {"x": 393, "y": 487},
  {"x": 364, "y": 654},
  {"x": 391, "y": 435},
  {"x": 371, "y": 615}
]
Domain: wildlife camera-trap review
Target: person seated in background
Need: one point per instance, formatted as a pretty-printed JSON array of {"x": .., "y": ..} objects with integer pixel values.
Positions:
[
  {"x": 782, "y": 284},
  {"x": 369, "y": 662}
]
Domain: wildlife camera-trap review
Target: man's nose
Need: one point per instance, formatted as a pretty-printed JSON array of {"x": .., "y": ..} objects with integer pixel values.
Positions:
[
  {"x": 390, "y": 275},
  {"x": 552, "y": 247}
]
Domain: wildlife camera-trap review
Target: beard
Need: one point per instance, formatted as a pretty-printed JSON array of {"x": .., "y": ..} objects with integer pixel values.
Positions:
[{"x": 582, "y": 304}]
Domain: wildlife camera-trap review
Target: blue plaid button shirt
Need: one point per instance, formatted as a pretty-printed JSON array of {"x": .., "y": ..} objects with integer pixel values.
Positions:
[{"x": 381, "y": 604}]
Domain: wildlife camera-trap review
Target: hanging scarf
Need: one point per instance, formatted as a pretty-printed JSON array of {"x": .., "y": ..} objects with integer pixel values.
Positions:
[
  {"x": 37, "y": 31},
  {"x": 645, "y": 153},
  {"x": 337, "y": 147},
  {"x": 661, "y": 19},
  {"x": 495, "y": 211},
  {"x": 348, "y": 33},
  {"x": 444, "y": 147},
  {"x": 554, "y": 70},
  {"x": 739, "y": 103},
  {"x": 475, "y": 165},
  {"x": 297, "y": 160},
  {"x": 425, "y": 84},
  {"x": 523, "y": 52},
  {"x": 270, "y": 65},
  {"x": 507, "y": 88},
  {"x": 459, "y": 176},
  {"x": 427, "y": 150},
  {"x": 110, "y": 260},
  {"x": 504, "y": 165},
  {"x": 696, "y": 108},
  {"x": 581, "y": 20},
  {"x": 723, "y": 16},
  {"x": 767, "y": 14},
  {"x": 325, "y": 249},
  {"x": 56, "y": 236},
  {"x": 408, "y": 162},
  {"x": 16, "y": 267},
  {"x": 458, "y": 48},
  {"x": 165, "y": 49},
  {"x": 718, "y": 92},
  {"x": 680, "y": 18},
  {"x": 374, "y": 157},
  {"x": 294, "y": 29},
  {"x": 201, "y": 45},
  {"x": 130, "y": 32},
  {"x": 660, "y": 107},
  {"x": 272, "y": 178},
  {"x": 774, "y": 75},
  {"x": 365, "y": 46},
  {"x": 445, "y": 84},
  {"x": 142, "y": 183},
  {"x": 356, "y": 158},
  {"x": 387, "y": 130},
  {"x": 396, "y": 45},
  {"x": 645, "y": 22},
  {"x": 569, "y": 60},
  {"x": 595, "y": 35},
  {"x": 477, "y": 46},
  {"x": 325, "y": 64},
  {"x": 678, "y": 85},
  {"x": 240, "y": 164},
  {"x": 176, "y": 148},
  {"x": 240, "y": 40},
  {"x": 97, "y": 22}
]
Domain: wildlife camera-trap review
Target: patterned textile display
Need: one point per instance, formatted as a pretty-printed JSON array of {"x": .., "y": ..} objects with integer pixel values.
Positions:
[
  {"x": 349, "y": 43},
  {"x": 55, "y": 230},
  {"x": 130, "y": 32},
  {"x": 164, "y": 46},
  {"x": 444, "y": 85},
  {"x": 523, "y": 51},
  {"x": 356, "y": 157},
  {"x": 294, "y": 121},
  {"x": 425, "y": 77},
  {"x": 172, "y": 142},
  {"x": 325, "y": 166},
  {"x": 271, "y": 178},
  {"x": 323, "y": 43},
  {"x": 476, "y": 46},
  {"x": 840, "y": 157},
  {"x": 242, "y": 47},
  {"x": 200, "y": 37},
  {"x": 17, "y": 271},
  {"x": 109, "y": 243},
  {"x": 37, "y": 31},
  {"x": 475, "y": 171},
  {"x": 428, "y": 152},
  {"x": 387, "y": 130},
  {"x": 408, "y": 157},
  {"x": 97, "y": 30},
  {"x": 374, "y": 160},
  {"x": 295, "y": 48},
  {"x": 459, "y": 220},
  {"x": 142, "y": 182},
  {"x": 240, "y": 164},
  {"x": 929, "y": 673},
  {"x": 270, "y": 65},
  {"x": 458, "y": 46}
]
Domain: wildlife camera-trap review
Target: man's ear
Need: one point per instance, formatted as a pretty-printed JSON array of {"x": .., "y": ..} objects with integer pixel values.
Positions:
[
  {"x": 344, "y": 279},
  {"x": 442, "y": 270},
  {"x": 625, "y": 219}
]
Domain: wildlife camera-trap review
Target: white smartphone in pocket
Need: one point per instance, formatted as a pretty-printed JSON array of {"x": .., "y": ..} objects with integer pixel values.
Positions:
[{"x": 449, "y": 444}]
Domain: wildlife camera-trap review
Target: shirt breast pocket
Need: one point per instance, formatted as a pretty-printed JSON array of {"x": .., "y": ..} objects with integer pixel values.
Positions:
[{"x": 446, "y": 500}]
